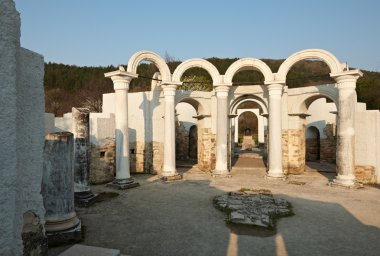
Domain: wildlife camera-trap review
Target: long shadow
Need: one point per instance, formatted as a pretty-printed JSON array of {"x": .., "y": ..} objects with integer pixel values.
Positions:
[{"x": 179, "y": 219}]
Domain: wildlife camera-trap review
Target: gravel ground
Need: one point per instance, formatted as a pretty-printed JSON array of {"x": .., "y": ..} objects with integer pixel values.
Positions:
[{"x": 179, "y": 218}]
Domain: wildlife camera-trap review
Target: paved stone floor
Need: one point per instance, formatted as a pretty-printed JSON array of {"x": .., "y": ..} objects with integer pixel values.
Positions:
[{"x": 179, "y": 218}]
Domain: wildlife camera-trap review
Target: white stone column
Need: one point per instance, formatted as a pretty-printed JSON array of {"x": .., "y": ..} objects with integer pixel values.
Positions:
[
  {"x": 275, "y": 135},
  {"x": 221, "y": 167},
  {"x": 121, "y": 80},
  {"x": 169, "y": 172},
  {"x": 345, "y": 151}
]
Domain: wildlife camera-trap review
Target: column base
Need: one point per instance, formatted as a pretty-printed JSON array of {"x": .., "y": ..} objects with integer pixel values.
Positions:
[
  {"x": 277, "y": 174},
  {"x": 85, "y": 198},
  {"x": 170, "y": 178},
  {"x": 68, "y": 236},
  {"x": 347, "y": 181},
  {"x": 221, "y": 174},
  {"x": 123, "y": 184},
  {"x": 277, "y": 177}
]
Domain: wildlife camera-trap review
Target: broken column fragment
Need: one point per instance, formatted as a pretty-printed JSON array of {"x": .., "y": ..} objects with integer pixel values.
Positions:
[
  {"x": 62, "y": 224},
  {"x": 81, "y": 131}
]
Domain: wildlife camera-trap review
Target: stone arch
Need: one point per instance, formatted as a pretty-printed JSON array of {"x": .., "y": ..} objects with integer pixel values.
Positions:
[
  {"x": 331, "y": 61},
  {"x": 304, "y": 101},
  {"x": 192, "y": 101},
  {"x": 244, "y": 98},
  {"x": 248, "y": 64},
  {"x": 136, "y": 58},
  {"x": 197, "y": 63}
]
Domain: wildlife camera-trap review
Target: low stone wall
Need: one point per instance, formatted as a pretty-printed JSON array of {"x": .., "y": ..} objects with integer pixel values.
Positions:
[
  {"x": 102, "y": 162},
  {"x": 181, "y": 142},
  {"x": 206, "y": 151},
  {"x": 312, "y": 149},
  {"x": 141, "y": 156},
  {"x": 365, "y": 174},
  {"x": 328, "y": 145},
  {"x": 293, "y": 151}
]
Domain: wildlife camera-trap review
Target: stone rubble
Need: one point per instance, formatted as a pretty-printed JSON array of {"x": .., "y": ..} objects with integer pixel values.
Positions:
[{"x": 253, "y": 207}]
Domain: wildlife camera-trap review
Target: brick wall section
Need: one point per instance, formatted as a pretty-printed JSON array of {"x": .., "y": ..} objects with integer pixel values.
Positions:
[
  {"x": 102, "y": 162},
  {"x": 328, "y": 145},
  {"x": 365, "y": 174},
  {"x": 181, "y": 142},
  {"x": 293, "y": 151},
  {"x": 206, "y": 149}
]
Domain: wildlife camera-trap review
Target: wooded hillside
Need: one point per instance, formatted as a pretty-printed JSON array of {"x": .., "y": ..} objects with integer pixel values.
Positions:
[{"x": 69, "y": 86}]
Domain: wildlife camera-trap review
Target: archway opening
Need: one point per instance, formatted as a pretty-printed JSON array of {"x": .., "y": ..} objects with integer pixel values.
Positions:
[
  {"x": 248, "y": 77},
  {"x": 186, "y": 134},
  {"x": 248, "y": 130},
  {"x": 146, "y": 71},
  {"x": 309, "y": 72},
  {"x": 196, "y": 79}
]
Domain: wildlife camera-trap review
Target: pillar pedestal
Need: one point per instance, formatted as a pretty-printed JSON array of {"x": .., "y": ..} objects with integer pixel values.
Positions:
[
  {"x": 345, "y": 152},
  {"x": 221, "y": 166},
  {"x": 121, "y": 80},
  {"x": 275, "y": 170},
  {"x": 57, "y": 188},
  {"x": 169, "y": 172}
]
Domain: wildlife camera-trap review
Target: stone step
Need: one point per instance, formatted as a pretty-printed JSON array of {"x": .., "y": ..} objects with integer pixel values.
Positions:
[
  {"x": 84, "y": 250},
  {"x": 249, "y": 155}
]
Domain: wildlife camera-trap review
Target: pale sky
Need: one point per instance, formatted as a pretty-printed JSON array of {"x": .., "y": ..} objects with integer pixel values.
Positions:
[{"x": 100, "y": 33}]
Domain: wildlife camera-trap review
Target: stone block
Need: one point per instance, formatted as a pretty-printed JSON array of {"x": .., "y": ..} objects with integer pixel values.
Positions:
[{"x": 365, "y": 174}]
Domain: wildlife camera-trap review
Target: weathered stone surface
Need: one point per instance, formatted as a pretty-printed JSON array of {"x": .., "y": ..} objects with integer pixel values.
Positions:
[
  {"x": 206, "y": 151},
  {"x": 102, "y": 162},
  {"x": 328, "y": 145},
  {"x": 293, "y": 151},
  {"x": 33, "y": 235},
  {"x": 248, "y": 143},
  {"x": 365, "y": 174},
  {"x": 253, "y": 207}
]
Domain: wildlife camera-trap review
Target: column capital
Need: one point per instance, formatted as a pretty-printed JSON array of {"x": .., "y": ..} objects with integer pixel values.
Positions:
[
  {"x": 347, "y": 76},
  {"x": 169, "y": 89},
  {"x": 275, "y": 88},
  {"x": 121, "y": 78},
  {"x": 222, "y": 90}
]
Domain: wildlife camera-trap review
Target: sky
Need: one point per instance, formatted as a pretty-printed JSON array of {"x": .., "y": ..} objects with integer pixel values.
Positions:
[{"x": 101, "y": 33}]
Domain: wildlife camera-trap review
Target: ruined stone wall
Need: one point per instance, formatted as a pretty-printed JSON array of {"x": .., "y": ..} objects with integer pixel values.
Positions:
[
  {"x": 206, "y": 149},
  {"x": 328, "y": 145},
  {"x": 293, "y": 151},
  {"x": 181, "y": 142},
  {"x": 22, "y": 138},
  {"x": 102, "y": 162},
  {"x": 141, "y": 156},
  {"x": 312, "y": 149},
  {"x": 365, "y": 174}
]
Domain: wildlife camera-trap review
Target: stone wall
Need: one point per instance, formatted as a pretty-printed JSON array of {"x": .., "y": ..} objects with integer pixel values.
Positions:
[
  {"x": 328, "y": 145},
  {"x": 293, "y": 151},
  {"x": 22, "y": 136},
  {"x": 312, "y": 149},
  {"x": 206, "y": 151},
  {"x": 141, "y": 156},
  {"x": 365, "y": 174},
  {"x": 181, "y": 142},
  {"x": 102, "y": 162}
]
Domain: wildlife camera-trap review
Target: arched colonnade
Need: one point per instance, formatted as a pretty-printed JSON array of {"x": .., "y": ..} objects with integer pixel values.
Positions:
[{"x": 275, "y": 82}]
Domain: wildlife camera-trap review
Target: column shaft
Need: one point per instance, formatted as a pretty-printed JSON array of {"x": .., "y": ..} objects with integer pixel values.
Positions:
[
  {"x": 169, "y": 146},
  {"x": 121, "y": 135},
  {"x": 275, "y": 136},
  {"x": 345, "y": 155},
  {"x": 221, "y": 167}
]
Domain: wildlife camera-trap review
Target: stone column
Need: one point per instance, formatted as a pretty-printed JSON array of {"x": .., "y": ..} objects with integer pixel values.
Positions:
[
  {"x": 345, "y": 151},
  {"x": 275, "y": 134},
  {"x": 57, "y": 189},
  {"x": 121, "y": 80},
  {"x": 169, "y": 172},
  {"x": 221, "y": 167},
  {"x": 80, "y": 126}
]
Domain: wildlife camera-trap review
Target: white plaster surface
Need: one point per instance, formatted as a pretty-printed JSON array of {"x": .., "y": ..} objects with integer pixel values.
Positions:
[
  {"x": 320, "y": 116},
  {"x": 22, "y": 131},
  {"x": 49, "y": 121},
  {"x": 185, "y": 113}
]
